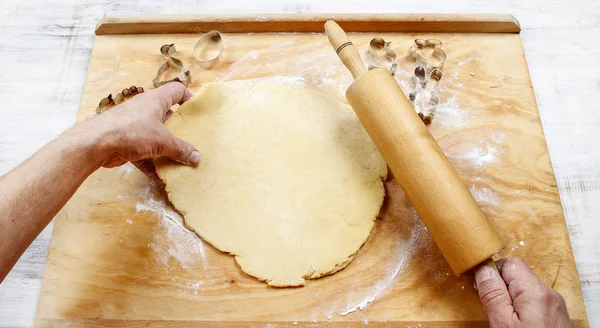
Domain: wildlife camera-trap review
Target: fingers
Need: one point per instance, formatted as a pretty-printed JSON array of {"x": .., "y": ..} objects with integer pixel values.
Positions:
[
  {"x": 178, "y": 150},
  {"x": 171, "y": 94},
  {"x": 518, "y": 277},
  {"x": 525, "y": 289},
  {"x": 494, "y": 296}
]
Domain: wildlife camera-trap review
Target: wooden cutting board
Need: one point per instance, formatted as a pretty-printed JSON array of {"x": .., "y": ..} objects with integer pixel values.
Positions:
[{"x": 119, "y": 258}]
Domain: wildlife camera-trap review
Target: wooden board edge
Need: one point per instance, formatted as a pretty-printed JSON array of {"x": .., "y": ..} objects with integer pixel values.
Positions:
[
  {"x": 555, "y": 186},
  {"x": 78, "y": 323},
  {"x": 306, "y": 23}
]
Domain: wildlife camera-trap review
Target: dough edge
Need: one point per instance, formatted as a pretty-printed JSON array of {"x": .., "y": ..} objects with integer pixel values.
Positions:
[{"x": 315, "y": 274}]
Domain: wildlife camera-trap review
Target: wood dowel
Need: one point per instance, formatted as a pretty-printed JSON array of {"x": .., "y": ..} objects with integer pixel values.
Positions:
[
  {"x": 491, "y": 264},
  {"x": 259, "y": 23}
]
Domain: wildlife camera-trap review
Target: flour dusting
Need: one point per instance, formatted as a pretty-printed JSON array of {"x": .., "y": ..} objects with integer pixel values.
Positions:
[
  {"x": 177, "y": 241},
  {"x": 484, "y": 196},
  {"x": 466, "y": 61},
  {"x": 403, "y": 252},
  {"x": 243, "y": 64},
  {"x": 450, "y": 113},
  {"x": 284, "y": 44},
  {"x": 498, "y": 137},
  {"x": 126, "y": 169},
  {"x": 296, "y": 81},
  {"x": 318, "y": 68},
  {"x": 481, "y": 155}
]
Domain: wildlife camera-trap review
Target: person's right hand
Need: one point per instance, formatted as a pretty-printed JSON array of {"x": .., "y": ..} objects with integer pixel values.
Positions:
[
  {"x": 134, "y": 132},
  {"x": 518, "y": 298}
]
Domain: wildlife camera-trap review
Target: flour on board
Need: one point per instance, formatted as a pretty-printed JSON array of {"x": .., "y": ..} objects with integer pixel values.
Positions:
[
  {"x": 450, "y": 113},
  {"x": 319, "y": 68},
  {"x": 126, "y": 169},
  {"x": 403, "y": 252},
  {"x": 484, "y": 196},
  {"x": 176, "y": 241}
]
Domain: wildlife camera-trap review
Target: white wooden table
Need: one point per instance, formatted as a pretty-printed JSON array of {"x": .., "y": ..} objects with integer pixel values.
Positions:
[{"x": 45, "y": 46}]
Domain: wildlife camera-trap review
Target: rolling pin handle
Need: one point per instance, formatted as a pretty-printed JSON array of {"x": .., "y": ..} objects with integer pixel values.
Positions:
[
  {"x": 491, "y": 264},
  {"x": 345, "y": 49}
]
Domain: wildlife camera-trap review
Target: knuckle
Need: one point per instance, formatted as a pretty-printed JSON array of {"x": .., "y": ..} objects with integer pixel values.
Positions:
[
  {"x": 180, "y": 152},
  {"x": 561, "y": 300},
  {"x": 174, "y": 88},
  {"x": 556, "y": 300},
  {"x": 550, "y": 298},
  {"x": 490, "y": 295}
]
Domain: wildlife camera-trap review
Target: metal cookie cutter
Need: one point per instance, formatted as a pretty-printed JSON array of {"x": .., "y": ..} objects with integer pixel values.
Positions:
[
  {"x": 422, "y": 78},
  {"x": 428, "y": 53},
  {"x": 208, "y": 48},
  {"x": 167, "y": 51},
  {"x": 425, "y": 107},
  {"x": 380, "y": 54},
  {"x": 110, "y": 102}
]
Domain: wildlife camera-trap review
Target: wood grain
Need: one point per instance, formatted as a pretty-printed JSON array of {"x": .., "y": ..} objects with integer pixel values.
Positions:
[
  {"x": 475, "y": 23},
  {"x": 243, "y": 324},
  {"x": 101, "y": 267},
  {"x": 58, "y": 43}
]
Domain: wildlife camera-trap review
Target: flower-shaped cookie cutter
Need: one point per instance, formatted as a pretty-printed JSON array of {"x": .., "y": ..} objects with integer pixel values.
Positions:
[
  {"x": 167, "y": 51},
  {"x": 426, "y": 107},
  {"x": 380, "y": 54},
  {"x": 110, "y": 102},
  {"x": 208, "y": 48},
  {"x": 428, "y": 53}
]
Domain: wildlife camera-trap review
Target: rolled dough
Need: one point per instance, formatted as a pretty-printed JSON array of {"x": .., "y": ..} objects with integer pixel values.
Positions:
[{"x": 289, "y": 183}]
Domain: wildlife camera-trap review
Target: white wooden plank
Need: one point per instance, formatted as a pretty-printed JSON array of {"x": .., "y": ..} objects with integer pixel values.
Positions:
[{"x": 45, "y": 47}]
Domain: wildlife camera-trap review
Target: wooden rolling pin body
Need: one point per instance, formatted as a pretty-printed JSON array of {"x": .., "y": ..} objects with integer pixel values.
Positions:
[{"x": 455, "y": 221}]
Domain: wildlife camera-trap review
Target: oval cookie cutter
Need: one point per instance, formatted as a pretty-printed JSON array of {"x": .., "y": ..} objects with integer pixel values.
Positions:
[
  {"x": 167, "y": 51},
  {"x": 208, "y": 48},
  {"x": 380, "y": 54}
]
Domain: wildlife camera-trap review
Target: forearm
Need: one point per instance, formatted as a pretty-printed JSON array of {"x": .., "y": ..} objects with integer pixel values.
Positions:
[{"x": 32, "y": 193}]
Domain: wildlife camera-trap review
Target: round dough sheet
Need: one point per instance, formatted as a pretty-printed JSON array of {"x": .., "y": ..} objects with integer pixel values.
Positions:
[{"x": 290, "y": 182}]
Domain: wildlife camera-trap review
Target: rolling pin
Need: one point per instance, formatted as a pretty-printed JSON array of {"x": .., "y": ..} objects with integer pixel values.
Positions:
[{"x": 458, "y": 226}]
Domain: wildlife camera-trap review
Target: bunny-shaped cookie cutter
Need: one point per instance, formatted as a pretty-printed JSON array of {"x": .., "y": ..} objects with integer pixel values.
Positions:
[{"x": 167, "y": 51}]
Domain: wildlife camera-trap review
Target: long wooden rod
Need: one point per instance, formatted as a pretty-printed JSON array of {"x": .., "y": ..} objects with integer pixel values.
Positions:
[{"x": 262, "y": 23}]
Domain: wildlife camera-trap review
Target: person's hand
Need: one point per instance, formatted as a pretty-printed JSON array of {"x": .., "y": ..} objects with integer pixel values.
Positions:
[
  {"x": 134, "y": 130},
  {"x": 517, "y": 298}
]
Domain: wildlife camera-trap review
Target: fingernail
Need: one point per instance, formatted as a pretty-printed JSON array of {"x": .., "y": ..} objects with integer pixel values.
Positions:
[
  {"x": 483, "y": 274},
  {"x": 194, "y": 157},
  {"x": 475, "y": 285}
]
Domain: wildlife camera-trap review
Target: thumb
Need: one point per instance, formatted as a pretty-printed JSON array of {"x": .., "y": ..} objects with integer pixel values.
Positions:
[
  {"x": 178, "y": 150},
  {"x": 494, "y": 296}
]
